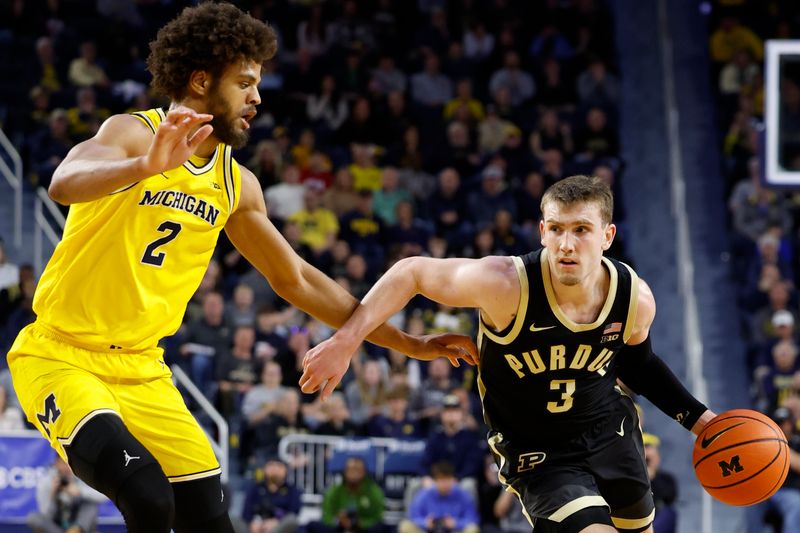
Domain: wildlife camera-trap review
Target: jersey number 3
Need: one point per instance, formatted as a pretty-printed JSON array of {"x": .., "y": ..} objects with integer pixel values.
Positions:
[
  {"x": 567, "y": 388},
  {"x": 150, "y": 256}
]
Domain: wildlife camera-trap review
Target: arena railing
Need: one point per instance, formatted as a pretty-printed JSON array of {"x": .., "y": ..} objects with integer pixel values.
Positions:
[
  {"x": 43, "y": 207},
  {"x": 220, "y": 445},
  {"x": 14, "y": 178},
  {"x": 315, "y": 463}
]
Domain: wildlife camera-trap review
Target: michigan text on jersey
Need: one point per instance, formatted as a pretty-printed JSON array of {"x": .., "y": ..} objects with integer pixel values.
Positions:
[{"x": 183, "y": 202}]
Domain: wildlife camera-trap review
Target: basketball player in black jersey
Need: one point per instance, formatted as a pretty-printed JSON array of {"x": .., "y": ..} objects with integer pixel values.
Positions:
[{"x": 557, "y": 328}]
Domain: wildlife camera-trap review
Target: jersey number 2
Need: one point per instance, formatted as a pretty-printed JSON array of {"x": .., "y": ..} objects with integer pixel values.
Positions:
[
  {"x": 567, "y": 388},
  {"x": 150, "y": 256}
]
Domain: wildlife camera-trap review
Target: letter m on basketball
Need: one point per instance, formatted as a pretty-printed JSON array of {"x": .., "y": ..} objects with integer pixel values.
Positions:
[
  {"x": 733, "y": 465},
  {"x": 51, "y": 413}
]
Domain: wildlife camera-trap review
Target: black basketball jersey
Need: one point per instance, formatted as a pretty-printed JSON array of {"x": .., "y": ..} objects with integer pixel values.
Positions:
[{"x": 545, "y": 378}]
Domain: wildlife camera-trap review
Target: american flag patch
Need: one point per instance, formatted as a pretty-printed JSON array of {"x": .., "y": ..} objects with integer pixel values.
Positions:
[{"x": 614, "y": 327}]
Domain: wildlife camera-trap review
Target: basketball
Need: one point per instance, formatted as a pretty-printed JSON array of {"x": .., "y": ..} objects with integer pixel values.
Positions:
[{"x": 741, "y": 457}]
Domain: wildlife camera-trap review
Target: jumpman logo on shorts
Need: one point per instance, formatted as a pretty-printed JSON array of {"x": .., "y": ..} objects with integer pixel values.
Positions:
[{"x": 129, "y": 458}]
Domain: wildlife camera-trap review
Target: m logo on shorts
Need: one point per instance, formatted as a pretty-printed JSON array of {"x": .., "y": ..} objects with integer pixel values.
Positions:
[
  {"x": 528, "y": 460},
  {"x": 51, "y": 413},
  {"x": 728, "y": 467}
]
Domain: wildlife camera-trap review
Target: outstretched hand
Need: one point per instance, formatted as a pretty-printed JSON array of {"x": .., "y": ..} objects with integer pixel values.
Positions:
[
  {"x": 326, "y": 363},
  {"x": 450, "y": 345},
  {"x": 172, "y": 144}
]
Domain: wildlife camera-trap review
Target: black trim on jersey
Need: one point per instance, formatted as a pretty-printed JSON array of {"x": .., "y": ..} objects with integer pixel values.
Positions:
[
  {"x": 144, "y": 118},
  {"x": 227, "y": 170},
  {"x": 132, "y": 185}
]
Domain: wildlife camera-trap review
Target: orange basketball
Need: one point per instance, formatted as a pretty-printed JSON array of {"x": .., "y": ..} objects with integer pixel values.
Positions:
[{"x": 741, "y": 457}]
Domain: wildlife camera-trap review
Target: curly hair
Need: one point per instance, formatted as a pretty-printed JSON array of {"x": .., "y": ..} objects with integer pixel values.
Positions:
[{"x": 207, "y": 37}]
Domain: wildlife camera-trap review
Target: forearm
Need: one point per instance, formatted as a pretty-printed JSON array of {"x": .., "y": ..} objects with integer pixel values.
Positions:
[
  {"x": 327, "y": 301},
  {"x": 86, "y": 180},
  {"x": 646, "y": 374},
  {"x": 388, "y": 296}
]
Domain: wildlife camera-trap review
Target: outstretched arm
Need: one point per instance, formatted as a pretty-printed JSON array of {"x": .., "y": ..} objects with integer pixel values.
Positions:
[
  {"x": 123, "y": 152},
  {"x": 646, "y": 374},
  {"x": 490, "y": 284},
  {"x": 307, "y": 288}
]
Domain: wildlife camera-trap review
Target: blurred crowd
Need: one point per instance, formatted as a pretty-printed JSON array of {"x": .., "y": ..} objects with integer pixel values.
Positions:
[{"x": 764, "y": 222}]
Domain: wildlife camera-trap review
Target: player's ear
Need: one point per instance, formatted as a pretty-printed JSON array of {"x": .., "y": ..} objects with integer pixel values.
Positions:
[
  {"x": 541, "y": 231},
  {"x": 608, "y": 235},
  {"x": 199, "y": 83}
]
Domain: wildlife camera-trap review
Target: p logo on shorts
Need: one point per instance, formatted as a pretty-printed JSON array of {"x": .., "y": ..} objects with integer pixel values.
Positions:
[
  {"x": 51, "y": 413},
  {"x": 528, "y": 460}
]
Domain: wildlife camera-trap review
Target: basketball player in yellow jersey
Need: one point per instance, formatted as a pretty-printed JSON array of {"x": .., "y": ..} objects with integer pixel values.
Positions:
[{"x": 149, "y": 195}]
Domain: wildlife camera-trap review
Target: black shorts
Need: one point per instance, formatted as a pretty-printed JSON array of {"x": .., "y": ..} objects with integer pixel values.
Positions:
[{"x": 603, "y": 467}]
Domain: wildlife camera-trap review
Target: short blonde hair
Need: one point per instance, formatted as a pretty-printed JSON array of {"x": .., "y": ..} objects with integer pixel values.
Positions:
[{"x": 580, "y": 189}]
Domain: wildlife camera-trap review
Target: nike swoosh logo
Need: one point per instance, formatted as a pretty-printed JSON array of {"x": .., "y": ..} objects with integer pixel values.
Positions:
[
  {"x": 706, "y": 442},
  {"x": 535, "y": 329},
  {"x": 621, "y": 431}
]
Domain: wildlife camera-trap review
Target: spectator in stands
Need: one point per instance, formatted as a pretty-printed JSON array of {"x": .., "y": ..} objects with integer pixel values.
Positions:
[
  {"x": 596, "y": 139},
  {"x": 554, "y": 91},
  {"x": 206, "y": 343},
  {"x": 318, "y": 225},
  {"x": 10, "y": 415},
  {"x": 85, "y": 118},
  {"x": 738, "y": 73},
  {"x": 262, "y": 400},
  {"x": 508, "y": 511},
  {"x": 44, "y": 70},
  {"x": 364, "y": 231},
  {"x": 385, "y": 199},
  {"x": 360, "y": 127},
  {"x": 551, "y": 42},
  {"x": 22, "y": 314},
  {"x": 664, "y": 486},
  {"x": 550, "y": 133},
  {"x": 404, "y": 371},
  {"x": 66, "y": 504},
  {"x": 529, "y": 199},
  {"x": 285, "y": 419},
  {"x": 336, "y": 418},
  {"x": 48, "y": 147},
  {"x": 341, "y": 198},
  {"x": 267, "y": 163},
  {"x": 387, "y": 77},
  {"x": 434, "y": 36},
  {"x": 313, "y": 33},
  {"x": 327, "y": 110},
  {"x": 492, "y": 196},
  {"x": 443, "y": 507},
  {"x": 779, "y": 297},
  {"x": 366, "y": 395},
  {"x": 461, "y": 153},
  {"x": 430, "y": 88},
  {"x": 731, "y": 37},
  {"x": 272, "y": 505},
  {"x": 356, "y": 274},
  {"x": 597, "y": 87},
  {"x": 447, "y": 206},
  {"x": 553, "y": 166},
  {"x": 356, "y": 504},
  {"x": 237, "y": 372},
  {"x": 478, "y": 43},
  {"x": 9, "y": 272},
  {"x": 350, "y": 30},
  {"x": 452, "y": 442},
  {"x": 778, "y": 381},
  {"x": 365, "y": 171},
  {"x": 410, "y": 234},
  {"x": 464, "y": 99},
  {"x": 429, "y": 398},
  {"x": 507, "y": 237},
  {"x": 84, "y": 71},
  {"x": 285, "y": 198},
  {"x": 786, "y": 502},
  {"x": 241, "y": 312},
  {"x": 396, "y": 422},
  {"x": 519, "y": 83},
  {"x": 492, "y": 131}
]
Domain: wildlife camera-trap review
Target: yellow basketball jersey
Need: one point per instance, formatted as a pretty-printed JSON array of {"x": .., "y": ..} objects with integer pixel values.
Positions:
[{"x": 128, "y": 263}]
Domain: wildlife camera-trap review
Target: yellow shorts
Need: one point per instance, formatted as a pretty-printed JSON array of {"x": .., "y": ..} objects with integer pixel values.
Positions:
[{"x": 61, "y": 387}]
